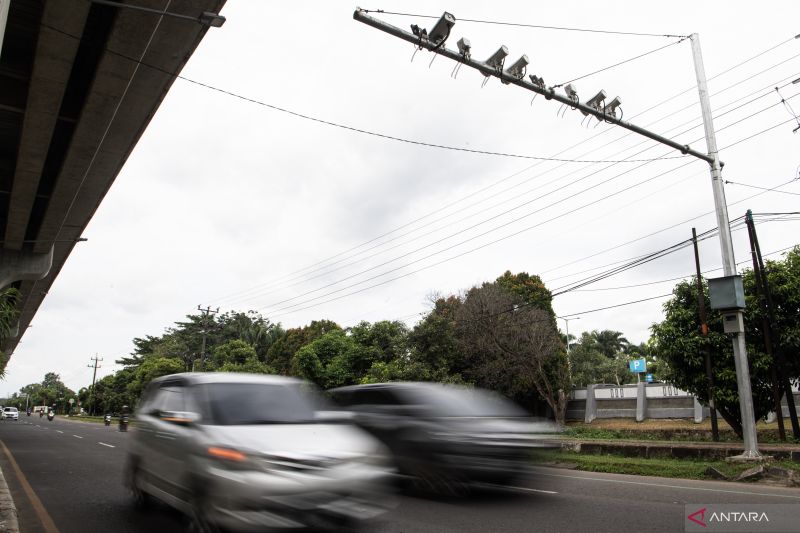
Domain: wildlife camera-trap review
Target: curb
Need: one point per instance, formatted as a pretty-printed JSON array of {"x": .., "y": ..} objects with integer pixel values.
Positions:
[{"x": 8, "y": 511}]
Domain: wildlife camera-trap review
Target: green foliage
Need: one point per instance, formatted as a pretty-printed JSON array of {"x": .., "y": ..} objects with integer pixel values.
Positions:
[
  {"x": 280, "y": 355},
  {"x": 9, "y": 321},
  {"x": 508, "y": 335},
  {"x": 150, "y": 369},
  {"x": 335, "y": 359},
  {"x": 679, "y": 343},
  {"x": 433, "y": 342}
]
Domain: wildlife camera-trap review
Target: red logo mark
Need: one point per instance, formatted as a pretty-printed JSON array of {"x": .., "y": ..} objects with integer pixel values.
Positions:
[{"x": 702, "y": 520}]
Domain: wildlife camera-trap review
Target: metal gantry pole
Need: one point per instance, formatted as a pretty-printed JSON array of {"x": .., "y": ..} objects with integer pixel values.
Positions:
[
  {"x": 728, "y": 259},
  {"x": 712, "y": 158}
]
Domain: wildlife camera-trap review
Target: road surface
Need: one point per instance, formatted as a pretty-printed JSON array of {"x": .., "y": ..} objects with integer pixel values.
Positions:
[{"x": 66, "y": 476}]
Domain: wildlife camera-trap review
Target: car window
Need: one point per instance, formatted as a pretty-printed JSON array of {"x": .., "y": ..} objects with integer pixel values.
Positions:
[
  {"x": 457, "y": 401},
  {"x": 232, "y": 404},
  {"x": 372, "y": 396}
]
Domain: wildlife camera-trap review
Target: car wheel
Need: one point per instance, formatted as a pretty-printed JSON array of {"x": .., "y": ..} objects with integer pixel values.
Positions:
[
  {"x": 199, "y": 521},
  {"x": 141, "y": 499}
]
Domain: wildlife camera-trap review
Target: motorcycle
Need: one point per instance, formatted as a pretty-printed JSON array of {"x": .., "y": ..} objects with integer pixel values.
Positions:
[
  {"x": 107, "y": 420},
  {"x": 41, "y": 414},
  {"x": 123, "y": 419},
  {"x": 50, "y": 416}
]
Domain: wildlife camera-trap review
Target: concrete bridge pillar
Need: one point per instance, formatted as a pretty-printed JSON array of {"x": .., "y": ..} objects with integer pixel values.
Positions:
[{"x": 16, "y": 265}]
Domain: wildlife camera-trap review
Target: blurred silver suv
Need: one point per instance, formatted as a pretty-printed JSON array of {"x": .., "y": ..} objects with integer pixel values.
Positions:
[{"x": 247, "y": 452}]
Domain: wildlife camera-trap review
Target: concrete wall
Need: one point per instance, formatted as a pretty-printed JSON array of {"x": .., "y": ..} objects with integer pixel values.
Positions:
[{"x": 641, "y": 401}]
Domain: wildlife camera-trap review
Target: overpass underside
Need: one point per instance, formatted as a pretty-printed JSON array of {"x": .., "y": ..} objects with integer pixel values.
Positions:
[{"x": 79, "y": 83}]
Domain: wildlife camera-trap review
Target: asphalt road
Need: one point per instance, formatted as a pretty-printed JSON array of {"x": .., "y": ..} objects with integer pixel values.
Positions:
[{"x": 75, "y": 470}]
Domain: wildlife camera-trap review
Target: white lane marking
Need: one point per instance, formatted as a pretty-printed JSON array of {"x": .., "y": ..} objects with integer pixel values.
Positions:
[
  {"x": 670, "y": 486},
  {"x": 526, "y": 489},
  {"x": 59, "y": 431},
  {"x": 109, "y": 445},
  {"x": 77, "y": 436}
]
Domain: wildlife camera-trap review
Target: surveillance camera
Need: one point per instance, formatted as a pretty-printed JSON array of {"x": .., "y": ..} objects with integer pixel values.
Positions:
[
  {"x": 611, "y": 107},
  {"x": 442, "y": 28},
  {"x": 571, "y": 91},
  {"x": 464, "y": 46},
  {"x": 595, "y": 101},
  {"x": 536, "y": 80},
  {"x": 496, "y": 59},
  {"x": 517, "y": 70}
]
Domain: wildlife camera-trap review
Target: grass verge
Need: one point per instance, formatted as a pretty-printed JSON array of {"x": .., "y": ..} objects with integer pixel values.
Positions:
[{"x": 674, "y": 468}]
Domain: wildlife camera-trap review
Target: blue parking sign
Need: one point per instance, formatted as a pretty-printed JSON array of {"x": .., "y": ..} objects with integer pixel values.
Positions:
[
  {"x": 648, "y": 378},
  {"x": 638, "y": 365}
]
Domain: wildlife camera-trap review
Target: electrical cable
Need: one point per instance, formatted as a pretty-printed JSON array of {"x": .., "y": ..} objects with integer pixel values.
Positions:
[
  {"x": 312, "y": 291},
  {"x": 620, "y": 63},
  {"x": 536, "y": 26},
  {"x": 762, "y": 188},
  {"x": 337, "y": 124},
  {"x": 300, "y": 271}
]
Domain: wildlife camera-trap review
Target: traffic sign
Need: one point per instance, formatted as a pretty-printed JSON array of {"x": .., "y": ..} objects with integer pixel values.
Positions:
[
  {"x": 648, "y": 378},
  {"x": 638, "y": 365}
]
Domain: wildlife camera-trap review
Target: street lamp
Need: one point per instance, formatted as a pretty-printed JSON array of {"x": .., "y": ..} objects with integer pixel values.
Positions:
[{"x": 566, "y": 322}]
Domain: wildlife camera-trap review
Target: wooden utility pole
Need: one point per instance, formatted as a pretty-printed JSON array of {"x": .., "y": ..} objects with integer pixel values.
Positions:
[
  {"x": 771, "y": 332},
  {"x": 206, "y": 313},
  {"x": 701, "y": 307},
  {"x": 94, "y": 377}
]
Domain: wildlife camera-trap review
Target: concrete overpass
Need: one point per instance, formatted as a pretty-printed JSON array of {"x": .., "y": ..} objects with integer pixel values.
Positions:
[{"x": 73, "y": 104}]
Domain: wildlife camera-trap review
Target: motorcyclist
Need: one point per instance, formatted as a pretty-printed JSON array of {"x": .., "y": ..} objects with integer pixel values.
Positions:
[{"x": 123, "y": 419}]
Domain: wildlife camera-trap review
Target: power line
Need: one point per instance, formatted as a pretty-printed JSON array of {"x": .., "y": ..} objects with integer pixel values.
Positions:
[
  {"x": 520, "y": 25},
  {"x": 620, "y": 63},
  {"x": 307, "y": 293},
  {"x": 618, "y": 305},
  {"x": 761, "y": 188},
  {"x": 297, "y": 273},
  {"x": 294, "y": 308},
  {"x": 327, "y": 270},
  {"x": 337, "y": 124}
]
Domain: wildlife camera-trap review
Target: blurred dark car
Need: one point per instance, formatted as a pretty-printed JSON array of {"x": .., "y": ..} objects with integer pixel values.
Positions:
[
  {"x": 249, "y": 452},
  {"x": 446, "y": 437}
]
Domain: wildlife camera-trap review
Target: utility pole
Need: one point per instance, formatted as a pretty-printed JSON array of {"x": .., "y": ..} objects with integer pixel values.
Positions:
[
  {"x": 206, "y": 313},
  {"x": 701, "y": 307},
  {"x": 771, "y": 330},
  {"x": 435, "y": 41},
  {"x": 728, "y": 259},
  {"x": 94, "y": 376},
  {"x": 566, "y": 322}
]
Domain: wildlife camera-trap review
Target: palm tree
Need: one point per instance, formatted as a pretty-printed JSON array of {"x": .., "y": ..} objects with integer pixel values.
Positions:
[{"x": 609, "y": 342}]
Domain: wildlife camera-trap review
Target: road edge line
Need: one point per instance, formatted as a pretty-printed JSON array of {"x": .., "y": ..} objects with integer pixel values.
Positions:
[
  {"x": 47, "y": 522},
  {"x": 8, "y": 511}
]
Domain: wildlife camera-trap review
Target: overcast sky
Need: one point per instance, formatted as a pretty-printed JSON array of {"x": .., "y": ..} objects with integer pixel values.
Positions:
[{"x": 227, "y": 203}]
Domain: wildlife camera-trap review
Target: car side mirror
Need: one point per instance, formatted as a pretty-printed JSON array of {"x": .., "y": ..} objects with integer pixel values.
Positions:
[{"x": 182, "y": 418}]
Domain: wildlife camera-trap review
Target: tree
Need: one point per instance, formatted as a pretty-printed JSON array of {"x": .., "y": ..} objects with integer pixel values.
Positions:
[
  {"x": 508, "y": 334},
  {"x": 333, "y": 360},
  {"x": 281, "y": 353},
  {"x": 9, "y": 321},
  {"x": 434, "y": 351},
  {"x": 610, "y": 343},
  {"x": 151, "y": 368},
  {"x": 678, "y": 342}
]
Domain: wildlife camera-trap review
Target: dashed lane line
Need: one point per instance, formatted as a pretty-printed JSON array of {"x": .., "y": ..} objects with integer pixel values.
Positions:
[
  {"x": 59, "y": 431},
  {"x": 77, "y": 436},
  {"x": 109, "y": 445}
]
